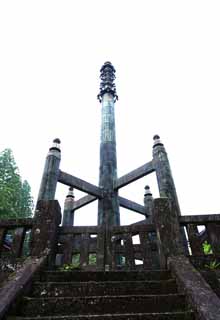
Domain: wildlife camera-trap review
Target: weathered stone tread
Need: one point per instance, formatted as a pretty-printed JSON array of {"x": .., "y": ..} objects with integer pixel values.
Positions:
[
  {"x": 103, "y": 304},
  {"x": 93, "y": 288},
  {"x": 60, "y": 276},
  {"x": 188, "y": 315}
]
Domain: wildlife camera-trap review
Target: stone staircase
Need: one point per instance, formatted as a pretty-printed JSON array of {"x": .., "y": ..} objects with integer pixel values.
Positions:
[{"x": 151, "y": 295}]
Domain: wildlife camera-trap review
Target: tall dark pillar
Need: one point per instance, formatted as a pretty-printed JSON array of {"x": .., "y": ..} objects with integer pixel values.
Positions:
[{"x": 108, "y": 209}]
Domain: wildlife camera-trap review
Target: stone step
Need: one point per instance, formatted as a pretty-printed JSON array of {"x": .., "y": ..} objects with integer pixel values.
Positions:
[
  {"x": 188, "y": 315},
  {"x": 92, "y": 288},
  {"x": 102, "y": 304},
  {"x": 64, "y": 276}
]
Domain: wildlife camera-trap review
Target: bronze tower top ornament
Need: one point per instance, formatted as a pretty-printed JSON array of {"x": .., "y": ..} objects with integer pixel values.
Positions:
[{"x": 107, "y": 84}]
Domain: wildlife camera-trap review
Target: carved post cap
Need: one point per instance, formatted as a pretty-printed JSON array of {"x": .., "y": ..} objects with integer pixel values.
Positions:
[
  {"x": 70, "y": 193},
  {"x": 107, "y": 84},
  {"x": 157, "y": 141},
  {"x": 147, "y": 191},
  {"x": 56, "y": 144}
]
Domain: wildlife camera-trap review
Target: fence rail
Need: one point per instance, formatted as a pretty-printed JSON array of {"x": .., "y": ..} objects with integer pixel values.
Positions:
[
  {"x": 119, "y": 247},
  {"x": 14, "y": 237},
  {"x": 210, "y": 233}
]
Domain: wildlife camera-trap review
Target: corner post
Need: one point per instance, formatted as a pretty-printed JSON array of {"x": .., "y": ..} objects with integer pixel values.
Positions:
[
  {"x": 165, "y": 180},
  {"x": 44, "y": 234},
  {"x": 51, "y": 172},
  {"x": 68, "y": 213},
  {"x": 168, "y": 230},
  {"x": 148, "y": 204},
  {"x": 163, "y": 172}
]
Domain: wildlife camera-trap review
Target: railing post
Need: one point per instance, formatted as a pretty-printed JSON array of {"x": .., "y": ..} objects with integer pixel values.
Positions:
[
  {"x": 51, "y": 172},
  {"x": 68, "y": 213},
  {"x": 168, "y": 230},
  {"x": 148, "y": 204},
  {"x": 165, "y": 180},
  {"x": 213, "y": 230},
  {"x": 194, "y": 240},
  {"x": 44, "y": 235},
  {"x": 18, "y": 242}
]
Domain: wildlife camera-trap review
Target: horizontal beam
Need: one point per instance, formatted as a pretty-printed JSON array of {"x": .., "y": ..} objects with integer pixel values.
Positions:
[
  {"x": 132, "y": 228},
  {"x": 200, "y": 219},
  {"x": 134, "y": 175},
  {"x": 139, "y": 223},
  {"x": 128, "y": 204},
  {"x": 16, "y": 223},
  {"x": 83, "y": 201},
  {"x": 79, "y": 184},
  {"x": 81, "y": 230}
]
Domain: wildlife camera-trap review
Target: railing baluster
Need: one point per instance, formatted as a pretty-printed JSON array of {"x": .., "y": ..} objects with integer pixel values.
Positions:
[
  {"x": 194, "y": 240},
  {"x": 84, "y": 250},
  {"x": 129, "y": 252},
  {"x": 2, "y": 237},
  {"x": 100, "y": 248},
  {"x": 68, "y": 249},
  {"x": 213, "y": 231},
  {"x": 146, "y": 250},
  {"x": 18, "y": 241}
]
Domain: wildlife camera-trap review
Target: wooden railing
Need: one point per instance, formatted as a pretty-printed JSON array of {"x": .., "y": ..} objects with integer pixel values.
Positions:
[
  {"x": 118, "y": 248},
  {"x": 201, "y": 229},
  {"x": 83, "y": 246},
  {"x": 14, "y": 243},
  {"x": 134, "y": 247}
]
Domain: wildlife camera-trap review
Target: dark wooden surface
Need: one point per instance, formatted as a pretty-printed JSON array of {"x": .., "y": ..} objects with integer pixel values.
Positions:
[
  {"x": 79, "y": 184},
  {"x": 83, "y": 201},
  {"x": 199, "y": 219},
  {"x": 134, "y": 175},
  {"x": 16, "y": 223},
  {"x": 131, "y": 205}
]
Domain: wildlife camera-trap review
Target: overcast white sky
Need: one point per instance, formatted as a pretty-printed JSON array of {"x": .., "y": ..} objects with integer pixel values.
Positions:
[{"x": 167, "y": 58}]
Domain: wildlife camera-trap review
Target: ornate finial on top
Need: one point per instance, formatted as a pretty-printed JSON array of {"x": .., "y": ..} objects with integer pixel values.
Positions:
[
  {"x": 56, "y": 144},
  {"x": 157, "y": 141},
  {"x": 107, "y": 81},
  {"x": 147, "y": 191},
  {"x": 70, "y": 193}
]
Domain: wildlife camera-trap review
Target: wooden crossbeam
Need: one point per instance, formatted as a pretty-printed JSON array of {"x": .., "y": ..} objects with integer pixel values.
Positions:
[
  {"x": 134, "y": 175},
  {"x": 83, "y": 201},
  {"x": 200, "y": 219},
  {"x": 128, "y": 204},
  {"x": 79, "y": 184}
]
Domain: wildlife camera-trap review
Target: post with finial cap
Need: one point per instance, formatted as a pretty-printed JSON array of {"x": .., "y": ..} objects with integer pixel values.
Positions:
[
  {"x": 108, "y": 208},
  {"x": 165, "y": 180},
  {"x": 68, "y": 213},
  {"x": 163, "y": 172},
  {"x": 148, "y": 204},
  {"x": 51, "y": 172}
]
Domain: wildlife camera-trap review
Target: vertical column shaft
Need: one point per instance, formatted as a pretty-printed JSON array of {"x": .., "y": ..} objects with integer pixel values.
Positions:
[
  {"x": 148, "y": 204},
  {"x": 108, "y": 212},
  {"x": 68, "y": 212},
  {"x": 163, "y": 172},
  {"x": 51, "y": 171},
  {"x": 165, "y": 180}
]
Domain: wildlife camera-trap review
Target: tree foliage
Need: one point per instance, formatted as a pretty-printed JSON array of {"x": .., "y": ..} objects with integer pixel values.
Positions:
[{"x": 15, "y": 195}]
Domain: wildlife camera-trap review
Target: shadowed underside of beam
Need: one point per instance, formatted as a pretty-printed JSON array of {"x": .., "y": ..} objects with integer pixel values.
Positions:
[
  {"x": 134, "y": 175},
  {"x": 128, "y": 204},
  {"x": 79, "y": 184}
]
